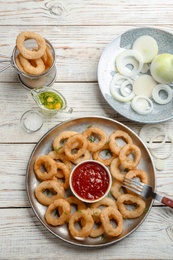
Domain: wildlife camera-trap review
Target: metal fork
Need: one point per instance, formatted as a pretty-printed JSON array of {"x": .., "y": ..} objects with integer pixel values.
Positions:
[{"x": 145, "y": 191}]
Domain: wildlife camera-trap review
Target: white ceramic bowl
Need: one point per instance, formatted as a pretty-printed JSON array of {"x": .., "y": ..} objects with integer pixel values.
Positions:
[{"x": 90, "y": 181}]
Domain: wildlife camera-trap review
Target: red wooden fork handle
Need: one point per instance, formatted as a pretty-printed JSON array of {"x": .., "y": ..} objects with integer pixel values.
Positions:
[{"x": 167, "y": 202}]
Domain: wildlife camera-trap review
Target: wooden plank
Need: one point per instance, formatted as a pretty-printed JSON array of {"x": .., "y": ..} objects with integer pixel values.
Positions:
[
  {"x": 23, "y": 237},
  {"x": 59, "y": 12}
]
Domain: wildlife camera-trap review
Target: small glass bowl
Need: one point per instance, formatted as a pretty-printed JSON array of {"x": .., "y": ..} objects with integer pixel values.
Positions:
[
  {"x": 31, "y": 121},
  {"x": 87, "y": 176}
]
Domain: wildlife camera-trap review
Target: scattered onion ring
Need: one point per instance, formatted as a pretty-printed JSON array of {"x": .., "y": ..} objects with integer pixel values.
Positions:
[
  {"x": 166, "y": 155},
  {"x": 157, "y": 97},
  {"x": 147, "y": 106},
  {"x": 122, "y": 61},
  {"x": 147, "y": 128}
]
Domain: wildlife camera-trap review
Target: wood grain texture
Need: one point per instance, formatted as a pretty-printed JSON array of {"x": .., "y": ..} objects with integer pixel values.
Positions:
[{"x": 79, "y": 32}]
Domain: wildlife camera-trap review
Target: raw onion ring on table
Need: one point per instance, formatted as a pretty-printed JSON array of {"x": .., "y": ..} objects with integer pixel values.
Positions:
[
  {"x": 31, "y": 54},
  {"x": 113, "y": 143},
  {"x": 116, "y": 169},
  {"x": 105, "y": 202},
  {"x": 117, "y": 189},
  {"x": 77, "y": 142},
  {"x": 109, "y": 214},
  {"x": 62, "y": 217},
  {"x": 88, "y": 223},
  {"x": 66, "y": 175},
  {"x": 125, "y": 160},
  {"x": 53, "y": 187},
  {"x": 92, "y": 134},
  {"x": 34, "y": 67},
  {"x": 49, "y": 167},
  {"x": 108, "y": 155},
  {"x": 129, "y": 199},
  {"x": 60, "y": 139}
]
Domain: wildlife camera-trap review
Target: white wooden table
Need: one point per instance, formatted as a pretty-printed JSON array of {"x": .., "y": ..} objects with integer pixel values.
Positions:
[{"x": 79, "y": 31}]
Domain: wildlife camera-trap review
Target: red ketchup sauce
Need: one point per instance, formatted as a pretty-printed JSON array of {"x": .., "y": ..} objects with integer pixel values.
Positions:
[{"x": 90, "y": 180}]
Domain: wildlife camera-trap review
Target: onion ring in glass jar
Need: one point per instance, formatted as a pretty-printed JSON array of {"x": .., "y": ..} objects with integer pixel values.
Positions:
[{"x": 31, "y": 54}]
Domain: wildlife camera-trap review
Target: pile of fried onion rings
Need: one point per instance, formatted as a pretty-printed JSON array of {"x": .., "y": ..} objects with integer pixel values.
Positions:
[
  {"x": 33, "y": 61},
  {"x": 118, "y": 152}
]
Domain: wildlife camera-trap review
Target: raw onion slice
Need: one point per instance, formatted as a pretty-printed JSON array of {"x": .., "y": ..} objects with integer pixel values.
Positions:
[
  {"x": 161, "y": 131},
  {"x": 145, "y": 68},
  {"x": 126, "y": 87},
  {"x": 144, "y": 85},
  {"x": 164, "y": 156},
  {"x": 158, "y": 94},
  {"x": 142, "y": 105},
  {"x": 115, "y": 92},
  {"x": 125, "y": 65},
  {"x": 147, "y": 47}
]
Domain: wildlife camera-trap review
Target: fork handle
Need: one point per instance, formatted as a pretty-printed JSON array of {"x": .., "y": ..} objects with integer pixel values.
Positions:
[{"x": 167, "y": 202}]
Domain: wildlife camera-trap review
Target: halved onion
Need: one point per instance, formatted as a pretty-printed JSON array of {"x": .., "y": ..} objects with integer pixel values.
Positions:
[
  {"x": 159, "y": 97},
  {"x": 142, "y": 105},
  {"x": 147, "y": 47},
  {"x": 129, "y": 63}
]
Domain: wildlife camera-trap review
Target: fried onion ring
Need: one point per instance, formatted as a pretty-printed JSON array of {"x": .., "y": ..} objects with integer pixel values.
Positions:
[
  {"x": 31, "y": 54},
  {"x": 60, "y": 139},
  {"x": 47, "y": 58},
  {"x": 125, "y": 160},
  {"x": 66, "y": 175},
  {"x": 105, "y": 202},
  {"x": 117, "y": 189},
  {"x": 118, "y": 134},
  {"x": 108, "y": 156},
  {"x": 92, "y": 134},
  {"x": 78, "y": 142},
  {"x": 129, "y": 199},
  {"x": 97, "y": 229},
  {"x": 83, "y": 157},
  {"x": 59, "y": 219},
  {"x": 34, "y": 67},
  {"x": 88, "y": 222},
  {"x": 60, "y": 157},
  {"x": 44, "y": 188},
  {"x": 48, "y": 164},
  {"x": 106, "y": 216},
  {"x": 116, "y": 169}
]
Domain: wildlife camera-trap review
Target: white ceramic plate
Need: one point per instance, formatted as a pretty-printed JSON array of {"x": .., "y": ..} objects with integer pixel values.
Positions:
[
  {"x": 44, "y": 146},
  {"x": 106, "y": 70}
]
